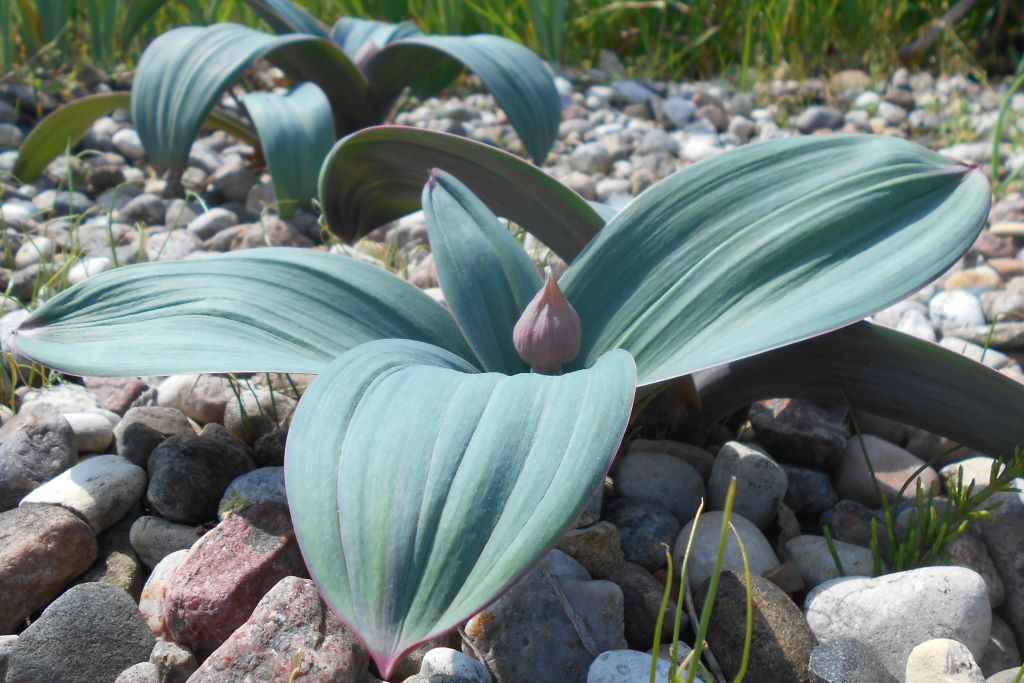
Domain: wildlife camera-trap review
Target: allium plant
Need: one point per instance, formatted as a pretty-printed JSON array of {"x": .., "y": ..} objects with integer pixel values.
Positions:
[
  {"x": 341, "y": 79},
  {"x": 427, "y": 467}
]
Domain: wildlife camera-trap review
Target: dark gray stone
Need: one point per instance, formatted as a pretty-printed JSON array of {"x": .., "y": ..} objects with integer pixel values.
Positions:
[
  {"x": 847, "y": 661},
  {"x": 800, "y": 432},
  {"x": 809, "y": 492},
  {"x": 137, "y": 442},
  {"x": 268, "y": 451},
  {"x": 91, "y": 633},
  {"x": 259, "y": 486},
  {"x": 642, "y": 595},
  {"x": 35, "y": 446},
  {"x": 188, "y": 476},
  {"x": 644, "y": 531}
]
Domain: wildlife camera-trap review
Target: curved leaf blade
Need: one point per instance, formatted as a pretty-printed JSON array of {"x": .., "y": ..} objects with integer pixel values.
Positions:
[
  {"x": 520, "y": 82},
  {"x": 286, "y": 17},
  {"x": 377, "y": 175},
  {"x": 296, "y": 131},
  {"x": 183, "y": 73},
  {"x": 481, "y": 480},
  {"x": 356, "y": 36},
  {"x": 65, "y": 126},
  {"x": 278, "y": 309},
  {"x": 61, "y": 129},
  {"x": 486, "y": 277},
  {"x": 768, "y": 245},
  {"x": 882, "y": 371}
]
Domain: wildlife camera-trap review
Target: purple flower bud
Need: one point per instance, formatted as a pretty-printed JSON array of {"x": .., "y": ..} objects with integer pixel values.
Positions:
[{"x": 547, "y": 335}]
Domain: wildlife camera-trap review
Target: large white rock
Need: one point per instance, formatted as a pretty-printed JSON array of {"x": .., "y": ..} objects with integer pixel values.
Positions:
[
  {"x": 760, "y": 555},
  {"x": 895, "y": 613},
  {"x": 100, "y": 490}
]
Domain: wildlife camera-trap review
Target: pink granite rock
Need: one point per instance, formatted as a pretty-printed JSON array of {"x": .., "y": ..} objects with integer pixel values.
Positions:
[
  {"x": 115, "y": 393},
  {"x": 42, "y": 547},
  {"x": 892, "y": 465},
  {"x": 227, "y": 572},
  {"x": 291, "y": 635}
]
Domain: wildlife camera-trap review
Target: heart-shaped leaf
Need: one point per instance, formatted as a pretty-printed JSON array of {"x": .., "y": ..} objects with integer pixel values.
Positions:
[
  {"x": 770, "y": 244},
  {"x": 485, "y": 274},
  {"x": 882, "y": 371},
  {"x": 409, "y": 532},
  {"x": 377, "y": 175},
  {"x": 275, "y": 310},
  {"x": 520, "y": 82},
  {"x": 183, "y": 73},
  {"x": 296, "y": 133}
]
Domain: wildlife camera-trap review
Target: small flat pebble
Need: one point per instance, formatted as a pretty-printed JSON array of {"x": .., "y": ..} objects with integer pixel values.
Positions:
[
  {"x": 100, "y": 490},
  {"x": 444, "y": 661},
  {"x": 93, "y": 432},
  {"x": 626, "y": 666},
  {"x": 846, "y": 660},
  {"x": 154, "y": 538},
  {"x": 644, "y": 531},
  {"x": 816, "y": 564},
  {"x": 893, "y": 467}
]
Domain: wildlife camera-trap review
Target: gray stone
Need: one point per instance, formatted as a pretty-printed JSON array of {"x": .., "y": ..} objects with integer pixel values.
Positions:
[
  {"x": 957, "y": 307},
  {"x": 893, "y": 114},
  {"x": 100, "y": 490},
  {"x": 174, "y": 662},
  {"x": 526, "y": 634},
  {"x": 800, "y": 432},
  {"x": 34, "y": 250},
  {"x": 118, "y": 564},
  {"x": 154, "y": 538},
  {"x": 694, "y": 456},
  {"x": 234, "y": 179},
  {"x": 591, "y": 158},
  {"x": 200, "y": 397},
  {"x": 847, "y": 661},
  {"x": 146, "y": 208},
  {"x": 1004, "y": 537},
  {"x": 660, "y": 479},
  {"x": 760, "y": 556},
  {"x": 1002, "y": 651},
  {"x": 260, "y": 485},
  {"x": 11, "y": 136},
  {"x": 678, "y": 111},
  {"x": 596, "y": 547},
  {"x": 760, "y": 482},
  {"x": 62, "y": 203},
  {"x": 626, "y": 666},
  {"x": 642, "y": 595},
  {"x": 91, "y": 633},
  {"x": 817, "y": 118},
  {"x": 92, "y": 431},
  {"x": 143, "y": 672},
  {"x": 208, "y": 224},
  {"x": 644, "y": 531},
  {"x": 64, "y": 398},
  {"x": 35, "y": 446},
  {"x": 258, "y": 412},
  {"x": 781, "y": 641},
  {"x": 444, "y": 661},
  {"x": 153, "y": 601},
  {"x": 942, "y": 660},
  {"x": 658, "y": 141},
  {"x": 816, "y": 564},
  {"x": 895, "y": 613},
  {"x": 969, "y": 550},
  {"x": 128, "y": 143},
  {"x": 976, "y": 352}
]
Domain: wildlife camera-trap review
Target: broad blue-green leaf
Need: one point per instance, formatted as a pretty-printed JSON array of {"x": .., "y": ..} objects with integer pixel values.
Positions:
[
  {"x": 421, "y": 490},
  {"x": 296, "y": 133},
  {"x": 183, "y": 73},
  {"x": 284, "y": 310},
  {"x": 485, "y": 274},
  {"x": 881, "y": 371},
  {"x": 65, "y": 126},
  {"x": 768, "y": 245},
  {"x": 355, "y": 35},
  {"x": 520, "y": 82},
  {"x": 376, "y": 175},
  {"x": 287, "y": 17}
]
